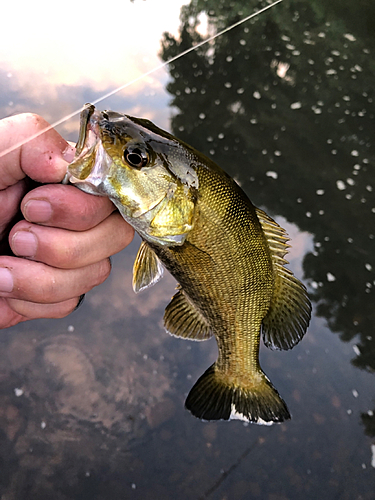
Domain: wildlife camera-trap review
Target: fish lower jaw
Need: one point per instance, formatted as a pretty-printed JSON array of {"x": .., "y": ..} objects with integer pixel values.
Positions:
[{"x": 95, "y": 188}]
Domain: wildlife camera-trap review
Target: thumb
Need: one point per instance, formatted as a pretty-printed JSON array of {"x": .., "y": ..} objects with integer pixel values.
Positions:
[{"x": 43, "y": 158}]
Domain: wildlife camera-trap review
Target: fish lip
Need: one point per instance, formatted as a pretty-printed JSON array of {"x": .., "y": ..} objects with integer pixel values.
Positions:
[
  {"x": 89, "y": 152},
  {"x": 89, "y": 133}
]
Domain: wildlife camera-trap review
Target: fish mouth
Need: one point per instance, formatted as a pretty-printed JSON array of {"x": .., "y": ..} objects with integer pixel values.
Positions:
[
  {"x": 89, "y": 129},
  {"x": 91, "y": 163}
]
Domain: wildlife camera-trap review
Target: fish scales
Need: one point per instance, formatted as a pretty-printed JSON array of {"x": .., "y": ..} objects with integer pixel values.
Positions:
[{"x": 227, "y": 256}]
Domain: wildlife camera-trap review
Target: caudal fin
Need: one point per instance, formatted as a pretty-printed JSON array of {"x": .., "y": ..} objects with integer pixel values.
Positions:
[{"x": 213, "y": 398}]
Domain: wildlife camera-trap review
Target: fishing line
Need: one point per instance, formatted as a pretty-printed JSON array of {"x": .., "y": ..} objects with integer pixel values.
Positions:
[{"x": 138, "y": 78}]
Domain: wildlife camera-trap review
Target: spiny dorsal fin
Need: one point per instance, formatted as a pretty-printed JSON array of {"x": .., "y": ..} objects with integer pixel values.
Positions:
[
  {"x": 182, "y": 319},
  {"x": 147, "y": 268},
  {"x": 289, "y": 314}
]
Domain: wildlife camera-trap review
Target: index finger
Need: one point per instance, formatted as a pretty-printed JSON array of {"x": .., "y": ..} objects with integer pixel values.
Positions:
[{"x": 41, "y": 158}]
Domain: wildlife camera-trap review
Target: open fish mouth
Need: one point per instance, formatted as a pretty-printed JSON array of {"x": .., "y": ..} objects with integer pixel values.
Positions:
[
  {"x": 89, "y": 129},
  {"x": 91, "y": 162}
]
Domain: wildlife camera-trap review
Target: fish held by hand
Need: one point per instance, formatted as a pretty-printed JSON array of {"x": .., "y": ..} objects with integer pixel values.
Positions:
[{"x": 226, "y": 254}]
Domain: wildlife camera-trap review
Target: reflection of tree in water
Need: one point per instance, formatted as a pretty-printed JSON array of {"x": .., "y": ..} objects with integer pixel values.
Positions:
[{"x": 285, "y": 104}]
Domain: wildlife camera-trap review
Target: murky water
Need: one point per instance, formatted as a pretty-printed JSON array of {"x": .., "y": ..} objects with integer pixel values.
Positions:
[{"x": 91, "y": 406}]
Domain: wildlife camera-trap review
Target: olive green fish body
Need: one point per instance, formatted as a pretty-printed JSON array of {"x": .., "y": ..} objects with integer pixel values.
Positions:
[
  {"x": 225, "y": 270},
  {"x": 227, "y": 256}
]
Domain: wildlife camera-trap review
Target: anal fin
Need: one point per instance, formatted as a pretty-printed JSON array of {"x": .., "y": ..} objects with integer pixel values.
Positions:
[
  {"x": 182, "y": 319},
  {"x": 147, "y": 269}
]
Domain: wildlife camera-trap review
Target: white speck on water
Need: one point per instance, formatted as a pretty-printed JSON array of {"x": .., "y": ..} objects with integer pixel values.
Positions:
[
  {"x": 264, "y": 151},
  {"x": 308, "y": 214},
  {"x": 221, "y": 136},
  {"x": 272, "y": 174},
  {"x": 340, "y": 185},
  {"x": 368, "y": 267},
  {"x": 351, "y": 182},
  {"x": 355, "y": 393},
  {"x": 314, "y": 285},
  {"x": 18, "y": 392},
  {"x": 369, "y": 188},
  {"x": 350, "y": 37},
  {"x": 354, "y": 152},
  {"x": 349, "y": 412},
  {"x": 334, "y": 151},
  {"x": 145, "y": 356},
  {"x": 321, "y": 35},
  {"x": 134, "y": 486},
  {"x": 363, "y": 466},
  {"x": 43, "y": 425},
  {"x": 331, "y": 277},
  {"x": 321, "y": 212},
  {"x": 242, "y": 42},
  {"x": 240, "y": 91},
  {"x": 253, "y": 121},
  {"x": 331, "y": 72},
  {"x": 373, "y": 455},
  {"x": 202, "y": 116},
  {"x": 296, "y": 105},
  {"x": 356, "y": 350},
  {"x": 370, "y": 413},
  {"x": 277, "y": 153},
  {"x": 227, "y": 85},
  {"x": 70, "y": 328},
  {"x": 212, "y": 152},
  {"x": 320, "y": 192},
  {"x": 285, "y": 38},
  {"x": 256, "y": 95},
  {"x": 229, "y": 59}
]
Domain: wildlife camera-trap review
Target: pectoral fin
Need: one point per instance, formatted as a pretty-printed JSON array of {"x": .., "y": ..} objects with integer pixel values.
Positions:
[
  {"x": 182, "y": 319},
  {"x": 147, "y": 269},
  {"x": 289, "y": 314}
]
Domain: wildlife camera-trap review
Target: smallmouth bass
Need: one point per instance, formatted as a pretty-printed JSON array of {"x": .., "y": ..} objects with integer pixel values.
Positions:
[{"x": 226, "y": 255}]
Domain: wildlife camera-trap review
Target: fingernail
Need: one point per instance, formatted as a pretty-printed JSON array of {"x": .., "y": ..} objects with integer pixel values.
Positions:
[
  {"x": 69, "y": 153},
  {"x": 38, "y": 211},
  {"x": 24, "y": 244},
  {"x": 6, "y": 280}
]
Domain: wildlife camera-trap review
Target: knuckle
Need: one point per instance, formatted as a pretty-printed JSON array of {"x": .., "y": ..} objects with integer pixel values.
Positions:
[{"x": 103, "y": 271}]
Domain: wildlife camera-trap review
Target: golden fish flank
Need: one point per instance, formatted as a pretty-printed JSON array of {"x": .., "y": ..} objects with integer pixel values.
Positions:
[{"x": 227, "y": 256}]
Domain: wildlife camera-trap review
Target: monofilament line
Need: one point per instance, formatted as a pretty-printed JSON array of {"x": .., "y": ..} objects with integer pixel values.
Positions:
[{"x": 138, "y": 78}]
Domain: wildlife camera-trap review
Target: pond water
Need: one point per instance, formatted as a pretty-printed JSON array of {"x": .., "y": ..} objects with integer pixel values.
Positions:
[{"x": 92, "y": 406}]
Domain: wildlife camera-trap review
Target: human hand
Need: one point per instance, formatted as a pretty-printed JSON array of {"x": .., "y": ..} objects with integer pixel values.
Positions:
[{"x": 62, "y": 246}]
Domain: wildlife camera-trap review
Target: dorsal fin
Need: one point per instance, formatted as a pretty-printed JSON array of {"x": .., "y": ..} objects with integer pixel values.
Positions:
[
  {"x": 147, "y": 268},
  {"x": 182, "y": 319},
  {"x": 289, "y": 314}
]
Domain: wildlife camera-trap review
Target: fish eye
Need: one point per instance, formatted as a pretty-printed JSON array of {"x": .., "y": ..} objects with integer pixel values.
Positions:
[{"x": 135, "y": 157}]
